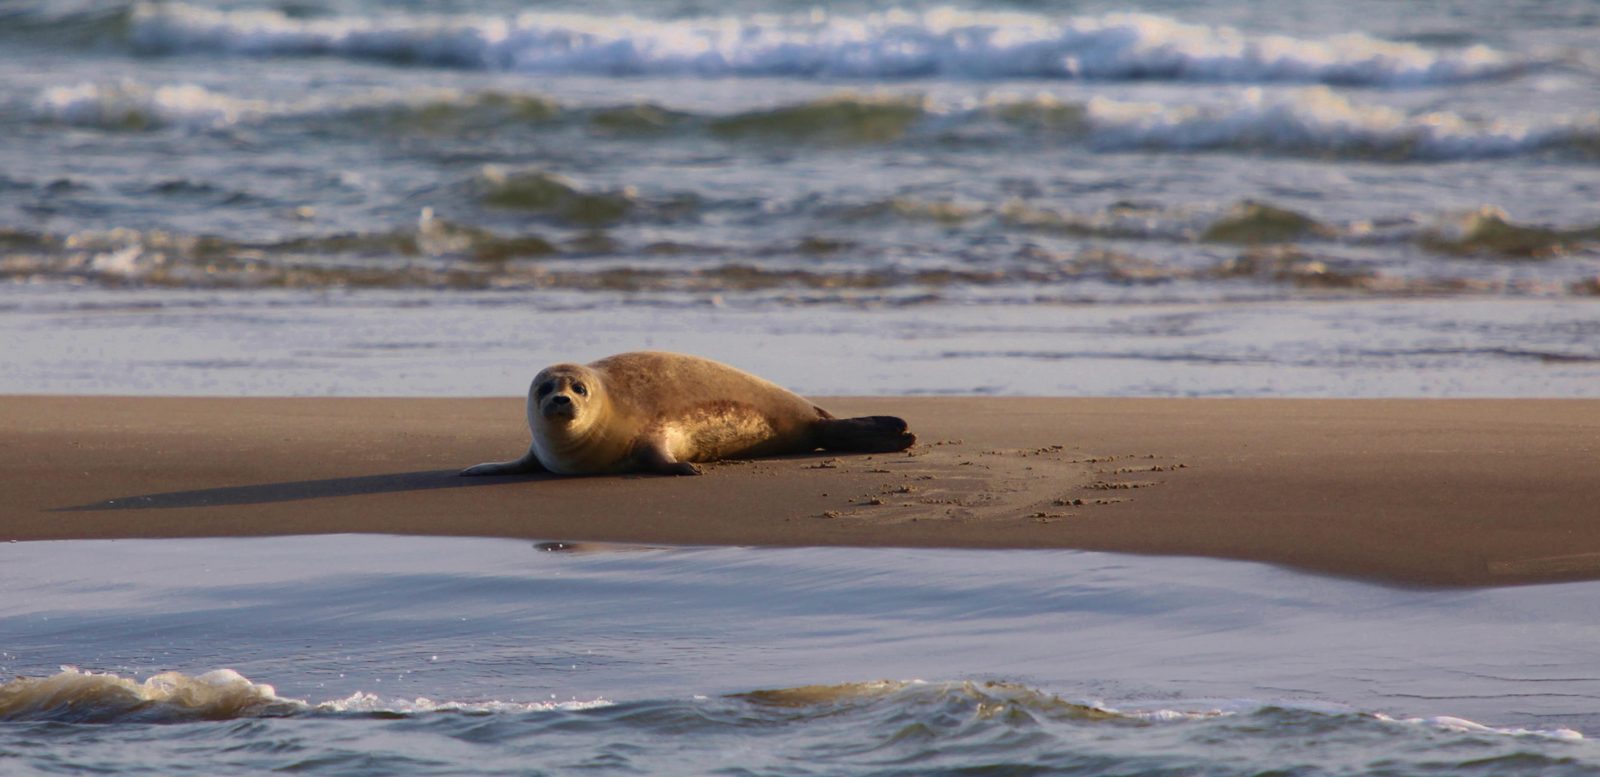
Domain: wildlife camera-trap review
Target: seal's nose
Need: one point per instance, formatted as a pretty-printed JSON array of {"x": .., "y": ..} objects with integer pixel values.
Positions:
[{"x": 561, "y": 399}]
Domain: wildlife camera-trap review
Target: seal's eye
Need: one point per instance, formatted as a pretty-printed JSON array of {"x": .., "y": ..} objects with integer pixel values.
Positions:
[
  {"x": 577, "y": 388},
  {"x": 546, "y": 388}
]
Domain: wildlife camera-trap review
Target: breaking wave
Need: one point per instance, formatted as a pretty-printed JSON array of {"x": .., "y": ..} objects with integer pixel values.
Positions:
[
  {"x": 966, "y": 703},
  {"x": 76, "y": 696},
  {"x": 955, "y": 709},
  {"x": 942, "y": 42},
  {"x": 1320, "y": 122},
  {"x": 1313, "y": 122},
  {"x": 1316, "y": 122},
  {"x": 1255, "y": 241},
  {"x": 125, "y": 105}
]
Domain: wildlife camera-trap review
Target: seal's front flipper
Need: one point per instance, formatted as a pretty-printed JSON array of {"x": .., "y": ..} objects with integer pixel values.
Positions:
[
  {"x": 868, "y": 434},
  {"x": 527, "y": 465},
  {"x": 653, "y": 457}
]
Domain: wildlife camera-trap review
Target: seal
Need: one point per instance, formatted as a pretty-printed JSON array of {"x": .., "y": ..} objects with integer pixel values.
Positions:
[{"x": 651, "y": 411}]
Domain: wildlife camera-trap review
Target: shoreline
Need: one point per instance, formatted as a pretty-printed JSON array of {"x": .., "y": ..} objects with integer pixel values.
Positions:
[{"x": 1460, "y": 492}]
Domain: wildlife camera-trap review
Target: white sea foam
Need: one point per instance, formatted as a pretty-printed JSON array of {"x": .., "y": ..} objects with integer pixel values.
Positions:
[
  {"x": 1169, "y": 716},
  {"x": 1321, "y": 119},
  {"x": 894, "y": 44},
  {"x": 1447, "y": 723},
  {"x": 1236, "y": 707},
  {"x": 130, "y": 105},
  {"x": 1315, "y": 119},
  {"x": 362, "y": 702}
]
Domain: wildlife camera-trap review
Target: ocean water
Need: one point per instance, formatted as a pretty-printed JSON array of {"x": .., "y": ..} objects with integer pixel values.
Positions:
[
  {"x": 1213, "y": 198},
  {"x": 385, "y": 655},
  {"x": 1217, "y": 198}
]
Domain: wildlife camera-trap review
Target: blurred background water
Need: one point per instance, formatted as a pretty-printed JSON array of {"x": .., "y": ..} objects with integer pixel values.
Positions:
[{"x": 1380, "y": 198}]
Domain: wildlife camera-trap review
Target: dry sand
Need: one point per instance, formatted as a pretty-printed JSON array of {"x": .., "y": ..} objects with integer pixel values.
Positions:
[{"x": 1453, "y": 492}]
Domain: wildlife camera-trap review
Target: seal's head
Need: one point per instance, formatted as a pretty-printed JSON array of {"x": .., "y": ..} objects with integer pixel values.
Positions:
[
  {"x": 565, "y": 399},
  {"x": 570, "y": 415}
]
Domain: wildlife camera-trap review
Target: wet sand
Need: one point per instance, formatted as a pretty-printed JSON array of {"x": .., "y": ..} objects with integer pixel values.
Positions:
[{"x": 1448, "y": 492}]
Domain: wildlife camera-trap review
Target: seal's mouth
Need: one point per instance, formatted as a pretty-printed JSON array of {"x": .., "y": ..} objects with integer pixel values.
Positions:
[{"x": 558, "y": 412}]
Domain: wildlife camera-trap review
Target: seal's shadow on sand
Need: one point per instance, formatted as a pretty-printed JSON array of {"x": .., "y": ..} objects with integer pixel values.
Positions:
[{"x": 293, "y": 491}]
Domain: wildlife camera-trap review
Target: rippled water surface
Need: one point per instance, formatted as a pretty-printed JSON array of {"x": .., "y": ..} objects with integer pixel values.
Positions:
[
  {"x": 992, "y": 197},
  {"x": 382, "y": 655},
  {"x": 835, "y": 151}
]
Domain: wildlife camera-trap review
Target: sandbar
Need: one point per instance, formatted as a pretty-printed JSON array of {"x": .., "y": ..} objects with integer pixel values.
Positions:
[{"x": 1414, "y": 492}]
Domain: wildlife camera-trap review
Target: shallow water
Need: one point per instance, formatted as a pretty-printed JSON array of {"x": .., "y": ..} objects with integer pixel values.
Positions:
[
  {"x": 292, "y": 343},
  {"x": 434, "y": 656}
]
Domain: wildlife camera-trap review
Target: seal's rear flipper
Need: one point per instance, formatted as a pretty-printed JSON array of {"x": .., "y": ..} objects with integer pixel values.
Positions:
[{"x": 869, "y": 434}]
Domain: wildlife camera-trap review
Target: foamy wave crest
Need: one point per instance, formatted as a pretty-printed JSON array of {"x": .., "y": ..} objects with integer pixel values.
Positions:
[
  {"x": 1318, "y": 120},
  {"x": 1314, "y": 121},
  {"x": 1012, "y": 701},
  {"x": 1462, "y": 725},
  {"x": 368, "y": 703},
  {"x": 133, "y": 106},
  {"x": 895, "y": 44},
  {"x": 1242, "y": 707},
  {"x": 76, "y": 696},
  {"x": 126, "y": 105}
]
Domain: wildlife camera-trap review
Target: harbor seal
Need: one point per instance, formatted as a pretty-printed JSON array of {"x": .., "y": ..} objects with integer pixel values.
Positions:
[{"x": 651, "y": 411}]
